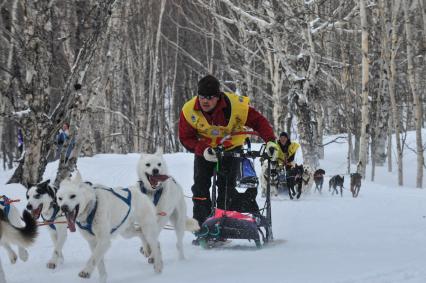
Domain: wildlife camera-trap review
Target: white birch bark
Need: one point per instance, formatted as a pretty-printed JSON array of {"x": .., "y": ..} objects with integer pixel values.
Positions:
[
  {"x": 422, "y": 5},
  {"x": 416, "y": 97},
  {"x": 389, "y": 145},
  {"x": 391, "y": 58},
  {"x": 363, "y": 154},
  {"x": 154, "y": 90}
]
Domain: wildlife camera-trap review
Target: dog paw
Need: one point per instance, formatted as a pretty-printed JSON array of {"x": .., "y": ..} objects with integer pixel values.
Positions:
[
  {"x": 146, "y": 251},
  {"x": 158, "y": 266},
  {"x": 23, "y": 254},
  {"x": 13, "y": 259},
  {"x": 84, "y": 274},
  {"x": 150, "y": 260},
  {"x": 61, "y": 259},
  {"x": 51, "y": 265}
]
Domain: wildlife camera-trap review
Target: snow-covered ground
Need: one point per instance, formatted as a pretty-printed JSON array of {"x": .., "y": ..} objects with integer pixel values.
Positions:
[{"x": 378, "y": 237}]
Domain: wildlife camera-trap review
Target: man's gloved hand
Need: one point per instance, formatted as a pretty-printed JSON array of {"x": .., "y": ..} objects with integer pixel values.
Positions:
[
  {"x": 210, "y": 155},
  {"x": 289, "y": 164},
  {"x": 272, "y": 150}
]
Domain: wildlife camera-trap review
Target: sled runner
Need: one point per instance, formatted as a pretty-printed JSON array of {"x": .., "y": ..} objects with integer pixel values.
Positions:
[{"x": 249, "y": 222}]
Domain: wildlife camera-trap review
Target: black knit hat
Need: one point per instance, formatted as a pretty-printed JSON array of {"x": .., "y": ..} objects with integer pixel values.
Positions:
[
  {"x": 284, "y": 134},
  {"x": 208, "y": 86}
]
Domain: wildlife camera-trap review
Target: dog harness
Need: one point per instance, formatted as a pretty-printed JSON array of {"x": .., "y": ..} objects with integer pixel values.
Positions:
[
  {"x": 52, "y": 219},
  {"x": 157, "y": 194},
  {"x": 307, "y": 180},
  {"x": 5, "y": 202},
  {"x": 91, "y": 216}
]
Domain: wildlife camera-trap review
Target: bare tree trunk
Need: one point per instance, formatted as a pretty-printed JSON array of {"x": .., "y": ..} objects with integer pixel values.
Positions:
[
  {"x": 40, "y": 124},
  {"x": 154, "y": 90},
  {"x": 389, "y": 146},
  {"x": 363, "y": 154},
  {"x": 416, "y": 97},
  {"x": 4, "y": 104},
  {"x": 320, "y": 134},
  {"x": 422, "y": 4},
  {"x": 391, "y": 58},
  {"x": 174, "y": 115},
  {"x": 350, "y": 152}
]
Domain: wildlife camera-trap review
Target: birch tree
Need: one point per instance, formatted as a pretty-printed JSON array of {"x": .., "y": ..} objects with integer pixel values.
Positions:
[
  {"x": 365, "y": 101},
  {"x": 416, "y": 98},
  {"x": 39, "y": 121}
]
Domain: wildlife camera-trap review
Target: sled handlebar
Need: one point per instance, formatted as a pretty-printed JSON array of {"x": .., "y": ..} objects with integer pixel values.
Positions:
[
  {"x": 248, "y": 153},
  {"x": 220, "y": 152}
]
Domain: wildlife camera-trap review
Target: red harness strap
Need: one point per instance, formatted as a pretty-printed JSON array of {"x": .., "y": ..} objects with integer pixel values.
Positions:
[
  {"x": 199, "y": 198},
  {"x": 8, "y": 201}
]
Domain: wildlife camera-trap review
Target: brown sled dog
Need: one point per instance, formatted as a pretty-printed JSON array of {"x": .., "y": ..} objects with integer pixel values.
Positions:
[
  {"x": 319, "y": 179},
  {"x": 355, "y": 184}
]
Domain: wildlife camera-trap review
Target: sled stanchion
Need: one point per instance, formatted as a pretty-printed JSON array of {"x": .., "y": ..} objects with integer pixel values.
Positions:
[
  {"x": 215, "y": 170},
  {"x": 269, "y": 235},
  {"x": 247, "y": 221}
]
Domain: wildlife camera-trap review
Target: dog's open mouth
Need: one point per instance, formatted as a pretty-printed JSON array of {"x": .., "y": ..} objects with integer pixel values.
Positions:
[
  {"x": 71, "y": 217},
  {"x": 154, "y": 180},
  {"x": 37, "y": 212}
]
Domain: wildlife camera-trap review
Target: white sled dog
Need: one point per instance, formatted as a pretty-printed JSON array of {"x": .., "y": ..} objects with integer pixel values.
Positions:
[
  {"x": 102, "y": 212},
  {"x": 13, "y": 215},
  {"x": 10, "y": 234},
  {"x": 308, "y": 179},
  {"x": 166, "y": 194},
  {"x": 273, "y": 180},
  {"x": 42, "y": 203}
]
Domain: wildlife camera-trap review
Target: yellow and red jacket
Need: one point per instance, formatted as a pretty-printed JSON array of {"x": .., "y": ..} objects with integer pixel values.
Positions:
[
  {"x": 287, "y": 157},
  {"x": 199, "y": 130}
]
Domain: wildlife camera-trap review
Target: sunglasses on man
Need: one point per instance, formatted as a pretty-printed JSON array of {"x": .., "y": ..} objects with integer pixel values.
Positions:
[{"x": 208, "y": 97}]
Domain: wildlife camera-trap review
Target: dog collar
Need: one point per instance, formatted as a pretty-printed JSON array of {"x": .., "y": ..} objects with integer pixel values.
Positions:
[
  {"x": 307, "y": 180},
  {"x": 52, "y": 218},
  {"x": 157, "y": 194},
  {"x": 89, "y": 220}
]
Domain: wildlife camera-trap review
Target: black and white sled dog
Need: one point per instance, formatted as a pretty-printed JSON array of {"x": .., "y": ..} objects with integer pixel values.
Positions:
[
  {"x": 42, "y": 203},
  {"x": 273, "y": 180},
  {"x": 12, "y": 235},
  {"x": 166, "y": 194},
  {"x": 336, "y": 181},
  {"x": 12, "y": 214},
  {"x": 295, "y": 181},
  {"x": 102, "y": 213}
]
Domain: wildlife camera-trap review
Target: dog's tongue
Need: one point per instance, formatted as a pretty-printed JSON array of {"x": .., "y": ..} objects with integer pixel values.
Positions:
[
  {"x": 71, "y": 221},
  {"x": 36, "y": 212},
  {"x": 155, "y": 179}
]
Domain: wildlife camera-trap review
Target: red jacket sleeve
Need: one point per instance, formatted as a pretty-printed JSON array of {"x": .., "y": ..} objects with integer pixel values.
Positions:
[
  {"x": 189, "y": 138},
  {"x": 260, "y": 124}
]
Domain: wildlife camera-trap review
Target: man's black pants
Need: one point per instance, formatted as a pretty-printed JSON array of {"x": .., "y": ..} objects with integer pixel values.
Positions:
[{"x": 226, "y": 181}]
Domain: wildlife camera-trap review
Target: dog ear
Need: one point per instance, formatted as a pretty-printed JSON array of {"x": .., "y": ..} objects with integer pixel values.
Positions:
[
  {"x": 45, "y": 183},
  {"x": 159, "y": 151},
  {"x": 77, "y": 177}
]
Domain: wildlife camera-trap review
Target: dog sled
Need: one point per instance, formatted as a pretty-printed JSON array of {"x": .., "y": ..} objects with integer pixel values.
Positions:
[
  {"x": 254, "y": 225},
  {"x": 282, "y": 180}
]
